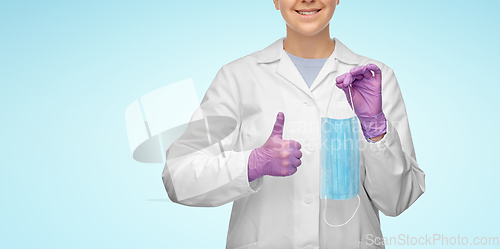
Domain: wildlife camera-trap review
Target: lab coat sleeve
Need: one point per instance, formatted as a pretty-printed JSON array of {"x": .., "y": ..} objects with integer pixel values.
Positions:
[
  {"x": 205, "y": 167},
  {"x": 393, "y": 179}
]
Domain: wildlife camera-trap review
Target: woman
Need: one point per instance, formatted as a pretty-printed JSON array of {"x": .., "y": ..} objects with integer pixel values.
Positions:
[{"x": 310, "y": 184}]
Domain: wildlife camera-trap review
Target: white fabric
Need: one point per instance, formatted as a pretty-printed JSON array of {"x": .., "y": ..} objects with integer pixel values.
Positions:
[{"x": 285, "y": 212}]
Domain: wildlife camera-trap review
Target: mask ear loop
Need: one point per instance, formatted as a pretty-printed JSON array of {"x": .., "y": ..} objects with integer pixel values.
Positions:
[
  {"x": 324, "y": 213},
  {"x": 350, "y": 95},
  {"x": 328, "y": 106},
  {"x": 326, "y": 200},
  {"x": 331, "y": 95}
]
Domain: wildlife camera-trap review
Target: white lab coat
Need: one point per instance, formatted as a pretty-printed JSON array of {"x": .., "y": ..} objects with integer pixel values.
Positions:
[{"x": 287, "y": 212}]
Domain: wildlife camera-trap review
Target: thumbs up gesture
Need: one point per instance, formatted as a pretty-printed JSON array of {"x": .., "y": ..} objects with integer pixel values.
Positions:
[{"x": 277, "y": 157}]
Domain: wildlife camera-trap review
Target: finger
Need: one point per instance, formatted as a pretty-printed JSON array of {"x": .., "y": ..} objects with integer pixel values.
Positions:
[
  {"x": 295, "y": 145},
  {"x": 297, "y": 153},
  {"x": 296, "y": 163},
  {"x": 340, "y": 80},
  {"x": 358, "y": 85},
  {"x": 359, "y": 77},
  {"x": 347, "y": 81},
  {"x": 278, "y": 125},
  {"x": 359, "y": 70},
  {"x": 289, "y": 172},
  {"x": 368, "y": 74},
  {"x": 376, "y": 71}
]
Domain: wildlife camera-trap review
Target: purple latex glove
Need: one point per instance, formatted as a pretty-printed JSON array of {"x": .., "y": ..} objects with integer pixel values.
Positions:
[
  {"x": 277, "y": 157},
  {"x": 366, "y": 90}
]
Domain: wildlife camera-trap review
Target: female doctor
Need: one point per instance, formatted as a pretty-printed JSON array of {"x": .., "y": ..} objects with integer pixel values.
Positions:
[{"x": 308, "y": 139}]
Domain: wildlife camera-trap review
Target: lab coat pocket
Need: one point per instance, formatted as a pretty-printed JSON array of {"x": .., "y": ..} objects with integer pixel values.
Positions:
[
  {"x": 364, "y": 245},
  {"x": 248, "y": 246}
]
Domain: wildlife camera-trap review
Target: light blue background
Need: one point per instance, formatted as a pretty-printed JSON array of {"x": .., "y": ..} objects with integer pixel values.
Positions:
[{"x": 69, "y": 69}]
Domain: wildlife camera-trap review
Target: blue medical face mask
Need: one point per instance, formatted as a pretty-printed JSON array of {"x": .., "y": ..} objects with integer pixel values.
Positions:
[{"x": 340, "y": 161}]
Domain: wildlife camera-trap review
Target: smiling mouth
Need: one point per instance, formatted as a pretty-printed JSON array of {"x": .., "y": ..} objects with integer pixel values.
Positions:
[{"x": 308, "y": 12}]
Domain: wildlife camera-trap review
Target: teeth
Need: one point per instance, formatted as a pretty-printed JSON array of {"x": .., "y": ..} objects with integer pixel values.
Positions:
[{"x": 308, "y": 12}]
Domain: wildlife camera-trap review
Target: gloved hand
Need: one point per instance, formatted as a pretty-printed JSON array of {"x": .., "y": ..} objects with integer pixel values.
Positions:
[
  {"x": 277, "y": 157},
  {"x": 366, "y": 90}
]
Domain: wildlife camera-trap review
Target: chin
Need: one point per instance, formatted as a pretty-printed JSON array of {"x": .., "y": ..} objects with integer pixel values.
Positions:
[{"x": 309, "y": 32}]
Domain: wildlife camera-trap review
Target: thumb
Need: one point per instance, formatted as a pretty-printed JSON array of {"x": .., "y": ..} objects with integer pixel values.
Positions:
[
  {"x": 278, "y": 125},
  {"x": 376, "y": 71}
]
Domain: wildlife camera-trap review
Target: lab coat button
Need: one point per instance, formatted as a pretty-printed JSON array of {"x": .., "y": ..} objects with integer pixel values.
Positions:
[
  {"x": 309, "y": 103},
  {"x": 308, "y": 199}
]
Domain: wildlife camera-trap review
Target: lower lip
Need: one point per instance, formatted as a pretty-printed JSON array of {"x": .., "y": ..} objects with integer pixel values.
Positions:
[{"x": 307, "y": 17}]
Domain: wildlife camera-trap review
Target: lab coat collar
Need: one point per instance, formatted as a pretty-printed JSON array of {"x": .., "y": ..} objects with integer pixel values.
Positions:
[
  {"x": 274, "y": 51},
  {"x": 287, "y": 69}
]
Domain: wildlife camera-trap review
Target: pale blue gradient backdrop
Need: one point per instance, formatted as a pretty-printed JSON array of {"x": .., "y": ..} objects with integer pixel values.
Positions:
[{"x": 69, "y": 69}]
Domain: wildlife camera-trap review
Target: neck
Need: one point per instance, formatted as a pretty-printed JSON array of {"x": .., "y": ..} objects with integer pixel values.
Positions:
[{"x": 315, "y": 46}]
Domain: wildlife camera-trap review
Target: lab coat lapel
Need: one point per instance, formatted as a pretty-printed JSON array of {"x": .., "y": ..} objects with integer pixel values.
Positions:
[
  {"x": 330, "y": 66},
  {"x": 285, "y": 68},
  {"x": 289, "y": 71}
]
